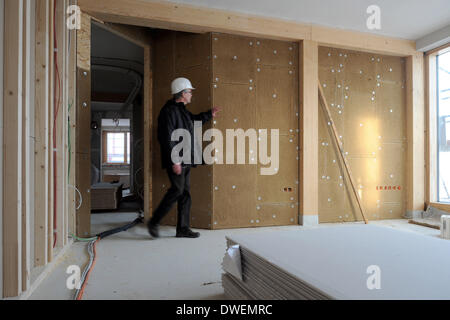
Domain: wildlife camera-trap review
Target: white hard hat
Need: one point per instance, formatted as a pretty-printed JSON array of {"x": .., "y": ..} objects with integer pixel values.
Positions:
[{"x": 181, "y": 84}]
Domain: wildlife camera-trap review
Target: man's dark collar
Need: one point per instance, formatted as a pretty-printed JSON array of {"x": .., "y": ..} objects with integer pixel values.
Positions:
[{"x": 180, "y": 104}]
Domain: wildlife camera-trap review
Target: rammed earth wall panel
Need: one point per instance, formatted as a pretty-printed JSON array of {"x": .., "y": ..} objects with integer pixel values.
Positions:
[{"x": 255, "y": 82}]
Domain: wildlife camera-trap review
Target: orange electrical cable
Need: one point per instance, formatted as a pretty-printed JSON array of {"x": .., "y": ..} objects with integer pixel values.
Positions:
[{"x": 80, "y": 295}]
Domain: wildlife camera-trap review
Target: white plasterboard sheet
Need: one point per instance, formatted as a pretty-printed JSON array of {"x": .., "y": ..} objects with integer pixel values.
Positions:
[
  {"x": 335, "y": 260},
  {"x": 273, "y": 284}
]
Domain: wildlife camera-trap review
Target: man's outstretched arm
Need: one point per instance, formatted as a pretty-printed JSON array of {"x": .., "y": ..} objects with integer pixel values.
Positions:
[{"x": 205, "y": 116}]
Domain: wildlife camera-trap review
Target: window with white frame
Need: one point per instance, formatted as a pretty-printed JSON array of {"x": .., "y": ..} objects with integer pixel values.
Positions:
[
  {"x": 443, "y": 126},
  {"x": 116, "y": 141}
]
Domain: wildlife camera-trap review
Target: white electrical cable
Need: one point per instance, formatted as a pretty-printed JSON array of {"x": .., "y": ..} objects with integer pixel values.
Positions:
[{"x": 79, "y": 193}]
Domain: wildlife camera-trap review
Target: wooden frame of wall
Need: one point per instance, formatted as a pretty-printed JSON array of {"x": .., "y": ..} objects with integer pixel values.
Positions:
[
  {"x": 17, "y": 252},
  {"x": 195, "y": 19},
  {"x": 431, "y": 153},
  {"x": 12, "y": 148},
  {"x": 26, "y": 120},
  {"x": 199, "y": 19},
  {"x": 42, "y": 77}
]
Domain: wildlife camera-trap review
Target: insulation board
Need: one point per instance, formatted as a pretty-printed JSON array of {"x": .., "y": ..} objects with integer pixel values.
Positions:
[
  {"x": 255, "y": 81},
  {"x": 366, "y": 95}
]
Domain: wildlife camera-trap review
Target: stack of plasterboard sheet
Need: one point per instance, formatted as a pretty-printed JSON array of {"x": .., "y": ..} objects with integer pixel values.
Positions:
[{"x": 338, "y": 262}]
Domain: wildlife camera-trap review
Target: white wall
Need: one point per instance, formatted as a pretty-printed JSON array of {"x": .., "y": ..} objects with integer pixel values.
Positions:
[{"x": 2, "y": 4}]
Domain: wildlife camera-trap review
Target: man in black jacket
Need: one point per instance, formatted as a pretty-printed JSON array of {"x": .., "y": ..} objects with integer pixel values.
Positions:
[{"x": 173, "y": 116}]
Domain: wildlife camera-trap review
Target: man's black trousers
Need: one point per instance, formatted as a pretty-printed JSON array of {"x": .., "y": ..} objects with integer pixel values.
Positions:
[{"x": 178, "y": 192}]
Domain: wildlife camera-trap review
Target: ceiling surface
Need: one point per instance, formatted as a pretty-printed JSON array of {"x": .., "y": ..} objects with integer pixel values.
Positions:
[{"x": 406, "y": 19}]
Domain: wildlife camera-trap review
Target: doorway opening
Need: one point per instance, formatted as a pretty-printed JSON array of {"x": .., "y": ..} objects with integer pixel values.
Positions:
[{"x": 117, "y": 126}]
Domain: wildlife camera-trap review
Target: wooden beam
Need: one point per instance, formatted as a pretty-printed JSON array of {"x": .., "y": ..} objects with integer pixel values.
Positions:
[
  {"x": 51, "y": 103},
  {"x": 148, "y": 129},
  {"x": 415, "y": 131},
  {"x": 137, "y": 35},
  {"x": 12, "y": 148},
  {"x": 41, "y": 133},
  {"x": 361, "y": 41},
  {"x": 65, "y": 103},
  {"x": 26, "y": 81},
  {"x": 441, "y": 206},
  {"x": 2, "y": 15},
  {"x": 72, "y": 76},
  {"x": 309, "y": 121},
  {"x": 440, "y": 50},
  {"x": 188, "y": 18},
  {"x": 109, "y": 97},
  {"x": 83, "y": 127},
  {"x": 61, "y": 132}
]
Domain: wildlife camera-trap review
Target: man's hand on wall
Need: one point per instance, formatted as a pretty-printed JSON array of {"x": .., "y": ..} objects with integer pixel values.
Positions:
[
  {"x": 177, "y": 169},
  {"x": 216, "y": 110}
]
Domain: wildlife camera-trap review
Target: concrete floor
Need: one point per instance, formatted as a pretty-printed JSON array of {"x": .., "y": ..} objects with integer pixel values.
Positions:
[{"x": 131, "y": 265}]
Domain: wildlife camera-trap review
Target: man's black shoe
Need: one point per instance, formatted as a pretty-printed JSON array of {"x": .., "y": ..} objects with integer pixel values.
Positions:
[
  {"x": 153, "y": 229},
  {"x": 187, "y": 233}
]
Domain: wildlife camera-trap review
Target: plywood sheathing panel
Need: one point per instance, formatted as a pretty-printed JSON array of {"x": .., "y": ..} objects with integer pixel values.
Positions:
[
  {"x": 84, "y": 43},
  {"x": 234, "y": 196},
  {"x": 253, "y": 94},
  {"x": 255, "y": 82},
  {"x": 234, "y": 59},
  {"x": 83, "y": 129},
  {"x": 366, "y": 95},
  {"x": 163, "y": 67},
  {"x": 192, "y": 61},
  {"x": 276, "y": 94},
  {"x": 83, "y": 217},
  {"x": 201, "y": 193},
  {"x": 83, "y": 107},
  {"x": 283, "y": 186},
  {"x": 183, "y": 55}
]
